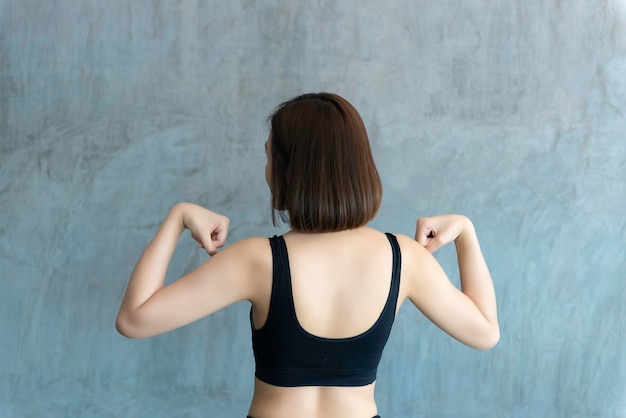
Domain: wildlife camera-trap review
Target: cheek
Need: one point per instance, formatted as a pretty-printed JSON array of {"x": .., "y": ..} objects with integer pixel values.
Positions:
[{"x": 268, "y": 172}]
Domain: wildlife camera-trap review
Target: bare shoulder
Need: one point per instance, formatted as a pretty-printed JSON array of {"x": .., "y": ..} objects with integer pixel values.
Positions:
[
  {"x": 403, "y": 240},
  {"x": 250, "y": 260},
  {"x": 412, "y": 251},
  {"x": 253, "y": 252},
  {"x": 253, "y": 257},
  {"x": 251, "y": 247},
  {"x": 417, "y": 263}
]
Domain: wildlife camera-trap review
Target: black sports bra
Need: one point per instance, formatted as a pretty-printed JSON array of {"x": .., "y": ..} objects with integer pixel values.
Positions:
[{"x": 288, "y": 355}]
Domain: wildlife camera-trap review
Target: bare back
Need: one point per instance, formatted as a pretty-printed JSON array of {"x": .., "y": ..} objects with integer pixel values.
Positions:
[{"x": 340, "y": 284}]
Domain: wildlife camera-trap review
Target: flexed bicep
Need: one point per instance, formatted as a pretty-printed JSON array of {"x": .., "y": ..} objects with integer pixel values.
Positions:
[
  {"x": 432, "y": 292},
  {"x": 226, "y": 278}
]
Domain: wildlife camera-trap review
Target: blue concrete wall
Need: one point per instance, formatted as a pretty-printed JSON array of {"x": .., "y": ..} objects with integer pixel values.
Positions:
[{"x": 511, "y": 112}]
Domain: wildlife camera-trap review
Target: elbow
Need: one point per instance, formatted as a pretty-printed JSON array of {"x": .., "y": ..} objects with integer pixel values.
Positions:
[
  {"x": 490, "y": 339},
  {"x": 124, "y": 326},
  {"x": 138, "y": 323}
]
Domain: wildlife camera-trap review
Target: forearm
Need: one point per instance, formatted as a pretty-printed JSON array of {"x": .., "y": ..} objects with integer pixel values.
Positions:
[
  {"x": 149, "y": 273},
  {"x": 476, "y": 280}
]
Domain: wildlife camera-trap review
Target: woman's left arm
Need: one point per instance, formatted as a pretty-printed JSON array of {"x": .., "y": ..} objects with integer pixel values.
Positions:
[{"x": 150, "y": 308}]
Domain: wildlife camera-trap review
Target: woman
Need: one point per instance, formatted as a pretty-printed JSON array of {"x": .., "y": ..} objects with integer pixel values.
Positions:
[{"x": 325, "y": 294}]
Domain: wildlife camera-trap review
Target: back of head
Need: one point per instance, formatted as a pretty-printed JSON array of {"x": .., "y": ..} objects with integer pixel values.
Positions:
[{"x": 322, "y": 176}]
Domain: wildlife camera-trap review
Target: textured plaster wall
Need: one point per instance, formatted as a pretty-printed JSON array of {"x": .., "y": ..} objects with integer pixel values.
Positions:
[{"x": 512, "y": 112}]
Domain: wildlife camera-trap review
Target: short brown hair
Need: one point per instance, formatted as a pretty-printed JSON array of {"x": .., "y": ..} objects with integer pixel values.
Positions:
[{"x": 323, "y": 176}]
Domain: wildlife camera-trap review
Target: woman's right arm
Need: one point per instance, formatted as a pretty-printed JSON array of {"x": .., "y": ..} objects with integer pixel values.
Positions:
[
  {"x": 469, "y": 314},
  {"x": 149, "y": 307}
]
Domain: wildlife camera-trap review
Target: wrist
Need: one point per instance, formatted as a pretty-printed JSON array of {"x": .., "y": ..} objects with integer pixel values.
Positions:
[
  {"x": 467, "y": 230},
  {"x": 177, "y": 213}
]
